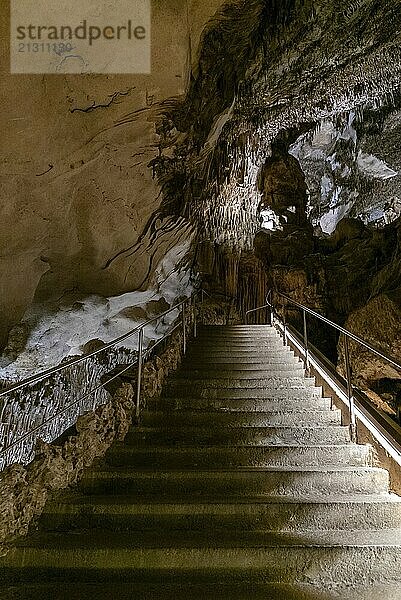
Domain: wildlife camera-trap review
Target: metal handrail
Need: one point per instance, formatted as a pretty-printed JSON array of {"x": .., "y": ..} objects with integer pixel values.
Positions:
[
  {"x": 253, "y": 310},
  {"x": 348, "y": 335},
  {"x": 44, "y": 375},
  {"x": 345, "y": 332},
  {"x": 53, "y": 371}
]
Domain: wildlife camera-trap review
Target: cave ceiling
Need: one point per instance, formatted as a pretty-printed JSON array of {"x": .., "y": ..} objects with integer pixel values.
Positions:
[{"x": 322, "y": 76}]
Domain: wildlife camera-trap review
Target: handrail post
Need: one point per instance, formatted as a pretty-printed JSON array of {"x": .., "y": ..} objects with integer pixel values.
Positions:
[
  {"x": 350, "y": 391},
  {"x": 139, "y": 382},
  {"x": 306, "y": 343},
  {"x": 184, "y": 328}
]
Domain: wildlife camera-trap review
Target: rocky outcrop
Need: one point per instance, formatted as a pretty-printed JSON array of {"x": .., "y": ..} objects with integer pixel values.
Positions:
[
  {"x": 304, "y": 67},
  {"x": 338, "y": 275},
  {"x": 52, "y": 331},
  {"x": 283, "y": 188},
  {"x": 352, "y": 167}
]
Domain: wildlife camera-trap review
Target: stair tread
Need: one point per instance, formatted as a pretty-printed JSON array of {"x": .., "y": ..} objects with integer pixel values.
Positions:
[
  {"x": 216, "y": 502},
  {"x": 226, "y": 471},
  {"x": 238, "y": 428},
  {"x": 297, "y": 412},
  {"x": 187, "y": 588},
  {"x": 233, "y": 447},
  {"x": 98, "y": 540},
  {"x": 324, "y": 403}
]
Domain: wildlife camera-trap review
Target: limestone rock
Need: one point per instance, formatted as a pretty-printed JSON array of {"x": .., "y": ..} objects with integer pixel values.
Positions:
[{"x": 379, "y": 323}]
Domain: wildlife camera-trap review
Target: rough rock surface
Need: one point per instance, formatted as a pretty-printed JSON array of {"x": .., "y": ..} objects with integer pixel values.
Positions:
[
  {"x": 379, "y": 323},
  {"x": 298, "y": 63},
  {"x": 352, "y": 167},
  {"x": 25, "y": 490},
  {"x": 79, "y": 203}
]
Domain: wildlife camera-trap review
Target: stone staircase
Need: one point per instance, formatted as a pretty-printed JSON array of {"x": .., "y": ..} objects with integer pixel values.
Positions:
[{"x": 240, "y": 483}]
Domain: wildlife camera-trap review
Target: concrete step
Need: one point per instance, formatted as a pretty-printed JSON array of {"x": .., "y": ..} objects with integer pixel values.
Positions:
[
  {"x": 211, "y": 369},
  {"x": 229, "y": 362},
  {"x": 225, "y": 334},
  {"x": 265, "y": 556},
  {"x": 238, "y": 335},
  {"x": 278, "y": 381},
  {"x": 240, "y": 482},
  {"x": 293, "y": 435},
  {"x": 184, "y": 589},
  {"x": 240, "y": 355},
  {"x": 226, "y": 331},
  {"x": 285, "y": 394},
  {"x": 237, "y": 338},
  {"x": 244, "y": 401},
  {"x": 239, "y": 327},
  {"x": 243, "y": 379},
  {"x": 213, "y": 457},
  {"x": 275, "y": 346},
  {"x": 281, "y": 418},
  {"x": 74, "y": 512}
]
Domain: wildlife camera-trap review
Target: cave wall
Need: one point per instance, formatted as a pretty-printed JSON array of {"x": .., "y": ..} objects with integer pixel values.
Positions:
[{"x": 79, "y": 201}]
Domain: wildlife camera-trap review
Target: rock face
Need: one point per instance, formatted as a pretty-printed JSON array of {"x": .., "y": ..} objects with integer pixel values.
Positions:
[
  {"x": 379, "y": 323},
  {"x": 352, "y": 167},
  {"x": 352, "y": 277},
  {"x": 25, "y": 490},
  {"x": 283, "y": 188},
  {"x": 79, "y": 203},
  {"x": 303, "y": 68},
  {"x": 54, "y": 330}
]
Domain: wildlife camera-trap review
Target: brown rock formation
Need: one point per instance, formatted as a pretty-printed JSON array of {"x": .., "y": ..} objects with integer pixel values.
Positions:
[
  {"x": 379, "y": 323},
  {"x": 78, "y": 199}
]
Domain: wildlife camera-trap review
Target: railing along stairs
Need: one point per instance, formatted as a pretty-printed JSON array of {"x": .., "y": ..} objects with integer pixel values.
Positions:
[
  {"x": 47, "y": 404},
  {"x": 360, "y": 408}
]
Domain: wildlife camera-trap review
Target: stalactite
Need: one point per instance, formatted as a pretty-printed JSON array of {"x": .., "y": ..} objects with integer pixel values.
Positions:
[{"x": 296, "y": 64}]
